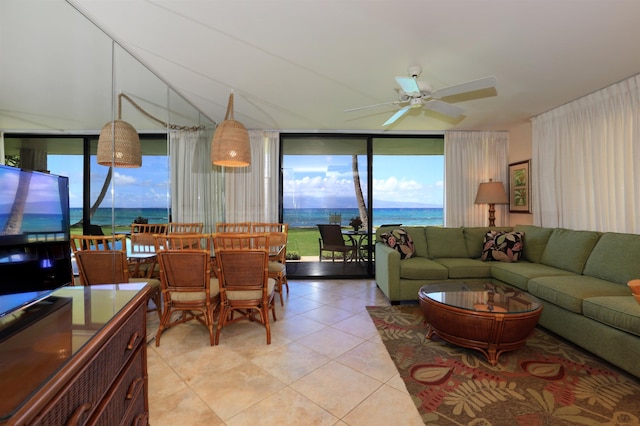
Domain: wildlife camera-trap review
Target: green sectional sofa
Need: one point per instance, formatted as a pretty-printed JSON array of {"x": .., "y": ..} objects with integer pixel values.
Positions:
[{"x": 580, "y": 276}]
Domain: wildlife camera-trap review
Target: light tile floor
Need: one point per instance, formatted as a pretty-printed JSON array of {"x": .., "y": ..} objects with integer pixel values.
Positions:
[{"x": 326, "y": 365}]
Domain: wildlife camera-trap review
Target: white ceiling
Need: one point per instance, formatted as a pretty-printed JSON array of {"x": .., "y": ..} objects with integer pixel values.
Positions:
[{"x": 296, "y": 65}]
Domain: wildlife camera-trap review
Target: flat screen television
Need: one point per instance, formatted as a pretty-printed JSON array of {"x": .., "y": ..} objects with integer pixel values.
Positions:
[{"x": 35, "y": 255}]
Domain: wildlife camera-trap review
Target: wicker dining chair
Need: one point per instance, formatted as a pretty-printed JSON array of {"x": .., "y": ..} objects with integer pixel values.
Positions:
[
  {"x": 142, "y": 240},
  {"x": 103, "y": 260},
  {"x": 243, "y": 227},
  {"x": 185, "y": 228},
  {"x": 187, "y": 287},
  {"x": 278, "y": 236},
  {"x": 245, "y": 286}
]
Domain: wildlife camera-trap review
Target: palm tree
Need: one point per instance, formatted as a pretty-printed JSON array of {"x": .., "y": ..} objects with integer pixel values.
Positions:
[{"x": 362, "y": 209}]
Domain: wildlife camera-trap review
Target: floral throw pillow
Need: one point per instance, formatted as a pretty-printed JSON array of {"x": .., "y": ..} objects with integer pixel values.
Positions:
[
  {"x": 399, "y": 240},
  {"x": 502, "y": 246}
]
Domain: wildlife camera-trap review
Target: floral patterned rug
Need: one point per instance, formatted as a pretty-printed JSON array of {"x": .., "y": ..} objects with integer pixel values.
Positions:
[{"x": 546, "y": 382}]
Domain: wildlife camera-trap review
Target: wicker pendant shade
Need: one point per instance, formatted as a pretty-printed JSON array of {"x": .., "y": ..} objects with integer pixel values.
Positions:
[
  {"x": 230, "y": 145},
  {"x": 119, "y": 144},
  {"x": 123, "y": 150}
]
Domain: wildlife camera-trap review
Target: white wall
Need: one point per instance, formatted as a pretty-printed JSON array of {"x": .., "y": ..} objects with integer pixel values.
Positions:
[{"x": 520, "y": 150}]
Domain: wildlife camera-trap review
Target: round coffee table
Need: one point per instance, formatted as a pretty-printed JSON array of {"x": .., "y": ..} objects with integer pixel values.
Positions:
[{"x": 487, "y": 317}]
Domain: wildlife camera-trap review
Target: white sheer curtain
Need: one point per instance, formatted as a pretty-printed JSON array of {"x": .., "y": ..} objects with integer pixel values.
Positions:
[
  {"x": 196, "y": 186},
  {"x": 251, "y": 193},
  {"x": 584, "y": 159},
  {"x": 473, "y": 157}
]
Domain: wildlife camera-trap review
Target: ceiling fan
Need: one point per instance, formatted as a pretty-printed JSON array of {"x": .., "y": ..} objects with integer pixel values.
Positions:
[{"x": 414, "y": 93}]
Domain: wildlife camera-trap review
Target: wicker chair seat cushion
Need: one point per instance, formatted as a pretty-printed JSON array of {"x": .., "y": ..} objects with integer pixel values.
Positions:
[
  {"x": 277, "y": 267},
  {"x": 153, "y": 282},
  {"x": 190, "y": 296},
  {"x": 251, "y": 295}
]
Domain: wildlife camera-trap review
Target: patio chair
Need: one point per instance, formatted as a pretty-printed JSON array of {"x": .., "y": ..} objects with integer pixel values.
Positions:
[{"x": 332, "y": 240}]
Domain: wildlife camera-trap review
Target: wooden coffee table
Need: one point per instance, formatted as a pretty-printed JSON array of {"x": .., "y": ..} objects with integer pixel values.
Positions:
[{"x": 487, "y": 317}]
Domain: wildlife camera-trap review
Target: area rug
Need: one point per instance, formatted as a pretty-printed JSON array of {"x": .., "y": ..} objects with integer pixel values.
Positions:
[{"x": 546, "y": 382}]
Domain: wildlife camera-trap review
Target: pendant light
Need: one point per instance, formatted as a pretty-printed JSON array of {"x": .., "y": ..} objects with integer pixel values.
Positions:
[
  {"x": 119, "y": 144},
  {"x": 230, "y": 144}
]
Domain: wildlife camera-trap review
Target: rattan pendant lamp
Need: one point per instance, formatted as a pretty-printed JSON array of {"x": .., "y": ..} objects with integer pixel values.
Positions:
[
  {"x": 230, "y": 144},
  {"x": 119, "y": 144}
]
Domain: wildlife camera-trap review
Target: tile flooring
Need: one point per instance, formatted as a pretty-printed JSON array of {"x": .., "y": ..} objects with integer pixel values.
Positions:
[{"x": 326, "y": 365}]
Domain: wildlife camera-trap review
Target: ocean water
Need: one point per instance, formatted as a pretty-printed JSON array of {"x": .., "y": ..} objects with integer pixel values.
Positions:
[{"x": 296, "y": 218}]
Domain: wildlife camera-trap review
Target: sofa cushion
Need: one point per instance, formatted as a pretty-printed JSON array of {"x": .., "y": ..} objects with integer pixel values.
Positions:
[
  {"x": 621, "y": 312},
  {"x": 570, "y": 291},
  {"x": 465, "y": 268},
  {"x": 519, "y": 274},
  {"x": 535, "y": 241},
  {"x": 474, "y": 238},
  {"x": 421, "y": 268},
  {"x": 446, "y": 242},
  {"x": 400, "y": 241},
  {"x": 616, "y": 257},
  {"x": 502, "y": 246},
  {"x": 568, "y": 249}
]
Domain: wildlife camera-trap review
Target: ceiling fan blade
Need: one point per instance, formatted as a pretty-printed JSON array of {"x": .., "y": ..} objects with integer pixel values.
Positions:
[
  {"x": 470, "y": 86},
  {"x": 371, "y": 106},
  {"x": 444, "y": 108},
  {"x": 397, "y": 115},
  {"x": 408, "y": 84}
]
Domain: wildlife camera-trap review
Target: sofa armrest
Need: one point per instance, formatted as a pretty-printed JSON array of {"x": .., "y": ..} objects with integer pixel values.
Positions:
[{"x": 388, "y": 271}]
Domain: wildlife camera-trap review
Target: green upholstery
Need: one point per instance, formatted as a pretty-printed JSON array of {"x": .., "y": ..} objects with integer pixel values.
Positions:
[
  {"x": 616, "y": 257},
  {"x": 446, "y": 242},
  {"x": 535, "y": 241},
  {"x": 569, "y": 291},
  {"x": 421, "y": 268},
  {"x": 621, "y": 312},
  {"x": 568, "y": 249},
  {"x": 466, "y": 268},
  {"x": 519, "y": 274}
]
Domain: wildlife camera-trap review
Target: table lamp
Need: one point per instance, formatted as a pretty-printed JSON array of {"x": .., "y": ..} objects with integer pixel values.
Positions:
[{"x": 491, "y": 193}]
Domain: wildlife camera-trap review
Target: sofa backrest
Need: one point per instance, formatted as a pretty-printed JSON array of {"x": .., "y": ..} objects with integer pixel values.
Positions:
[
  {"x": 445, "y": 242},
  {"x": 616, "y": 258},
  {"x": 474, "y": 238},
  {"x": 568, "y": 249},
  {"x": 534, "y": 241}
]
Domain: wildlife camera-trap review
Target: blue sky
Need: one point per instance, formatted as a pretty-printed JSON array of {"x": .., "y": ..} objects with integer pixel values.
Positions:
[
  {"x": 139, "y": 187},
  {"x": 415, "y": 180},
  {"x": 411, "y": 180}
]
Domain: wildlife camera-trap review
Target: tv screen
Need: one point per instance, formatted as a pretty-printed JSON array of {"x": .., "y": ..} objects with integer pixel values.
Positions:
[{"x": 35, "y": 253}]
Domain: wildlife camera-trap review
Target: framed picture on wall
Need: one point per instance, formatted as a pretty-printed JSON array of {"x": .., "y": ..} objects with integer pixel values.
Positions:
[{"x": 520, "y": 187}]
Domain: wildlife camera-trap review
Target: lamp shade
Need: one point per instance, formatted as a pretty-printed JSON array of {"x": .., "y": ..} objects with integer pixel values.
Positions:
[
  {"x": 119, "y": 145},
  {"x": 491, "y": 193},
  {"x": 230, "y": 145}
]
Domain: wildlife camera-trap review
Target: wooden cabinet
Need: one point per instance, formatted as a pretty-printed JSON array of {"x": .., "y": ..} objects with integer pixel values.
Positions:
[{"x": 104, "y": 379}]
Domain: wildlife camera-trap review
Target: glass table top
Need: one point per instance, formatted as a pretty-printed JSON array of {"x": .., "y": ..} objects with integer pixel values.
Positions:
[{"x": 481, "y": 297}]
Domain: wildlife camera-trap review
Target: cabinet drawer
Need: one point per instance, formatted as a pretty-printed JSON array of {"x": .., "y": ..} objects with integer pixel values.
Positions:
[
  {"x": 83, "y": 394},
  {"x": 129, "y": 386}
]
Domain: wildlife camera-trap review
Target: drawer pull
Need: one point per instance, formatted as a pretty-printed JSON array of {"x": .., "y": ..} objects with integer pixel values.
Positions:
[
  {"x": 133, "y": 386},
  {"x": 141, "y": 419},
  {"x": 132, "y": 341},
  {"x": 75, "y": 417}
]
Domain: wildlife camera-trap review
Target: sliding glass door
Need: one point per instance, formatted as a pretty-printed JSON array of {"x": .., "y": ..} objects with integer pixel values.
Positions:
[{"x": 357, "y": 182}]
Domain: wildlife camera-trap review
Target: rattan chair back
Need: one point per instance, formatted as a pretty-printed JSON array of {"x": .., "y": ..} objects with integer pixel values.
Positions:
[
  {"x": 179, "y": 241},
  {"x": 187, "y": 286},
  {"x": 102, "y": 266},
  {"x": 98, "y": 242},
  {"x": 185, "y": 228},
  {"x": 242, "y": 227},
  {"x": 149, "y": 228},
  {"x": 243, "y": 274}
]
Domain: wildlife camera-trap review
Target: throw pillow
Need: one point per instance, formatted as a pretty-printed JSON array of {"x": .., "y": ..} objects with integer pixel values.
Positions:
[
  {"x": 399, "y": 240},
  {"x": 502, "y": 246}
]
